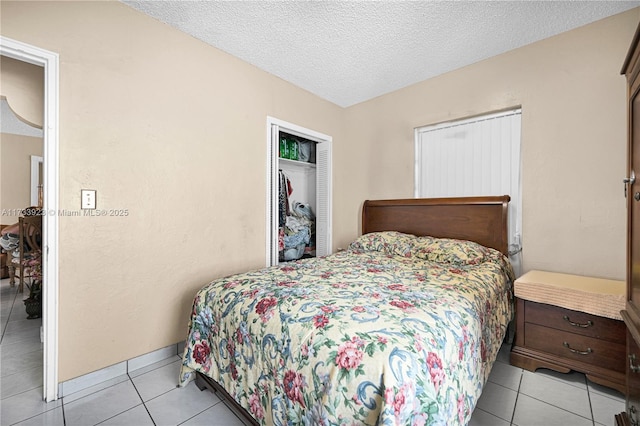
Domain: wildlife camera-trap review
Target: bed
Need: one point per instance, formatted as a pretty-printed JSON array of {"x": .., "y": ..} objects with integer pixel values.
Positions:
[{"x": 401, "y": 327}]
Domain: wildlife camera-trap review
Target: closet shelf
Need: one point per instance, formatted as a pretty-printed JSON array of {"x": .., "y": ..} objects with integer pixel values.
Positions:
[{"x": 301, "y": 164}]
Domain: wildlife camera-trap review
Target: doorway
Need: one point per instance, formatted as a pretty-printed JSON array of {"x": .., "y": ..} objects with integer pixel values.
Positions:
[{"x": 50, "y": 62}]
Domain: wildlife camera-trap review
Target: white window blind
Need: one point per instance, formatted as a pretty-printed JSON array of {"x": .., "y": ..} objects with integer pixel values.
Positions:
[{"x": 473, "y": 157}]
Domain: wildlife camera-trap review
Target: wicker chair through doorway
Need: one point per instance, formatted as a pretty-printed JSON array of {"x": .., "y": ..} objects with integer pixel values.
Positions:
[{"x": 29, "y": 260}]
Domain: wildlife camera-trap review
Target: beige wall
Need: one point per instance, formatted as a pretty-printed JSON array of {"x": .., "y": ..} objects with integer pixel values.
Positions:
[
  {"x": 22, "y": 85},
  {"x": 174, "y": 131},
  {"x": 15, "y": 173},
  {"x": 573, "y": 142}
]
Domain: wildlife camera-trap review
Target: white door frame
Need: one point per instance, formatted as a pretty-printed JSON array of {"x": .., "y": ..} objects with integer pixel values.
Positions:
[{"x": 50, "y": 62}]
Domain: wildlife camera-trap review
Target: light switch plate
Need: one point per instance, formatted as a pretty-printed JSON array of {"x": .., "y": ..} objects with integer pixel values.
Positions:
[{"x": 88, "y": 197}]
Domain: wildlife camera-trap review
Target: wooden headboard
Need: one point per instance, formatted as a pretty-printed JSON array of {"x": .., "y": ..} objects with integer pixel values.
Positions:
[{"x": 479, "y": 219}]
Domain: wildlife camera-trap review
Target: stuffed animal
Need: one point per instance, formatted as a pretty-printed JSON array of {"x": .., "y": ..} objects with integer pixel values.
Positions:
[
  {"x": 299, "y": 230},
  {"x": 303, "y": 211}
]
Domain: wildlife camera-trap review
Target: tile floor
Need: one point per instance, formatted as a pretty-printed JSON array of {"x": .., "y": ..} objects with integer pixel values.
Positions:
[{"x": 149, "y": 396}]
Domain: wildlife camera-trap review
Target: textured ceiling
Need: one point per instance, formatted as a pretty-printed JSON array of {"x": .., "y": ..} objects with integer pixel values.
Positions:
[{"x": 351, "y": 51}]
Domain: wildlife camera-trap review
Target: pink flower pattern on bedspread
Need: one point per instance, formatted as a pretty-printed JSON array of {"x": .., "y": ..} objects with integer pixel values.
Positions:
[{"x": 376, "y": 334}]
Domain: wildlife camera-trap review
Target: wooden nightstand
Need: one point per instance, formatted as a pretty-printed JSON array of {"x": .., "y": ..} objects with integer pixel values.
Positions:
[{"x": 569, "y": 322}]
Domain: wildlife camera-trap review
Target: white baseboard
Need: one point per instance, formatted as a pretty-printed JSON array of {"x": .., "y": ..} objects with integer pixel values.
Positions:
[{"x": 108, "y": 373}]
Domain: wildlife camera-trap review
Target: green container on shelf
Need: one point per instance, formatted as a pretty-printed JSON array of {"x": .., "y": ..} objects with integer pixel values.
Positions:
[
  {"x": 293, "y": 148},
  {"x": 284, "y": 146}
]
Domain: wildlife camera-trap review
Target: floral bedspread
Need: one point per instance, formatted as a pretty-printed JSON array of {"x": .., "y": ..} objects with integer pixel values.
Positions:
[{"x": 395, "y": 330}]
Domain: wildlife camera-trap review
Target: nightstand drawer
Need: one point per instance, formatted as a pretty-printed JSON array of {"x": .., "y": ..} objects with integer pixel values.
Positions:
[
  {"x": 570, "y": 322},
  {"x": 576, "y": 347},
  {"x": 574, "y": 321}
]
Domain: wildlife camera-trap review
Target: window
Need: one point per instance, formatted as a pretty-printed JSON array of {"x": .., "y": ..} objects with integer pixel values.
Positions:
[{"x": 473, "y": 157}]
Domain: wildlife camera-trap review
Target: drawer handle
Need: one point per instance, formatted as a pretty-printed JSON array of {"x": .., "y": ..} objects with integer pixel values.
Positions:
[
  {"x": 633, "y": 368},
  {"x": 576, "y": 324},
  {"x": 575, "y": 351}
]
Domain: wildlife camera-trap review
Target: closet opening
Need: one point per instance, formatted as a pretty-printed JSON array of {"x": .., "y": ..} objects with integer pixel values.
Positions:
[
  {"x": 299, "y": 193},
  {"x": 296, "y": 197}
]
